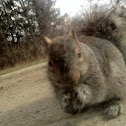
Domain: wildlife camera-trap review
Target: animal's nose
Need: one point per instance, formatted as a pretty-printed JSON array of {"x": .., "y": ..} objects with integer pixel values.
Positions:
[
  {"x": 75, "y": 75},
  {"x": 71, "y": 76}
]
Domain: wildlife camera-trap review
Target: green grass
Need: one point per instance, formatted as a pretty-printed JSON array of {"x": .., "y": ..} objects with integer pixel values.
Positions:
[{"x": 21, "y": 66}]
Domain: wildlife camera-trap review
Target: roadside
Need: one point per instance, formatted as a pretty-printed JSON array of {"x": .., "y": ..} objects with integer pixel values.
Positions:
[{"x": 21, "y": 66}]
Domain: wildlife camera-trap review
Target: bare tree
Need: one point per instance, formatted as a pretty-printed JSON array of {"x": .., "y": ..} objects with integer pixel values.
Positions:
[{"x": 22, "y": 26}]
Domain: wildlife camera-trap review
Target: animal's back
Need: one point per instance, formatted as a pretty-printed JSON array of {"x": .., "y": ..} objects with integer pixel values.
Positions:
[{"x": 111, "y": 63}]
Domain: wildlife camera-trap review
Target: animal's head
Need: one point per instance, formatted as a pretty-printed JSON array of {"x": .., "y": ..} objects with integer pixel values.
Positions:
[{"x": 65, "y": 59}]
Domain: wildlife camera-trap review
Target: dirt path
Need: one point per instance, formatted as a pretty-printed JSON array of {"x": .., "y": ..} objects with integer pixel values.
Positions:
[{"x": 28, "y": 99}]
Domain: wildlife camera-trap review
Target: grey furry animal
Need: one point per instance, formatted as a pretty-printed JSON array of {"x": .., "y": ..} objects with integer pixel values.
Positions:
[{"x": 87, "y": 73}]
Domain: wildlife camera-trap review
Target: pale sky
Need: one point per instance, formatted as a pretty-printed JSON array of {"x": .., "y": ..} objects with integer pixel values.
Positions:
[{"x": 74, "y": 6}]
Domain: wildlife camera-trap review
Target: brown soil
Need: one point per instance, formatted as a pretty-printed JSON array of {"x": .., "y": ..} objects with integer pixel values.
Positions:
[{"x": 27, "y": 99}]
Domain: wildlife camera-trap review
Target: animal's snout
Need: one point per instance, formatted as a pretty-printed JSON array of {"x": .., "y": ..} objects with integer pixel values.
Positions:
[
  {"x": 72, "y": 76},
  {"x": 75, "y": 76}
]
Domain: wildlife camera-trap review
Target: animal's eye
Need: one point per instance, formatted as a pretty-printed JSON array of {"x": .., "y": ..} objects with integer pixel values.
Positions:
[
  {"x": 50, "y": 63},
  {"x": 79, "y": 54}
]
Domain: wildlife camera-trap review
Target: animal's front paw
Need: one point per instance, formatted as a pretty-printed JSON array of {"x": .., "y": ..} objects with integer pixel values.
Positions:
[
  {"x": 114, "y": 110},
  {"x": 66, "y": 102},
  {"x": 83, "y": 95}
]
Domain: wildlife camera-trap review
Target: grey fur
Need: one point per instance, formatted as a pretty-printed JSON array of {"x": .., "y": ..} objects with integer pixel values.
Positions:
[{"x": 98, "y": 77}]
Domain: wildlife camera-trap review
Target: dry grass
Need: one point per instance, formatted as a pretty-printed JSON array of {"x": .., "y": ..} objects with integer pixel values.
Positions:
[{"x": 21, "y": 66}]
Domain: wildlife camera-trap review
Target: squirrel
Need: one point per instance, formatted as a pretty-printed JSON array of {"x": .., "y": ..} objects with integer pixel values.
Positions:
[{"x": 89, "y": 69}]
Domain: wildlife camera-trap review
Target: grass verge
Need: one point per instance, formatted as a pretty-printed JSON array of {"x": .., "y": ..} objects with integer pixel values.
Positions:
[{"x": 21, "y": 66}]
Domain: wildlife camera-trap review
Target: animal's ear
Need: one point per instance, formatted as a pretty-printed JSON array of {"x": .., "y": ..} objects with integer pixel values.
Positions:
[
  {"x": 72, "y": 34},
  {"x": 47, "y": 40}
]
